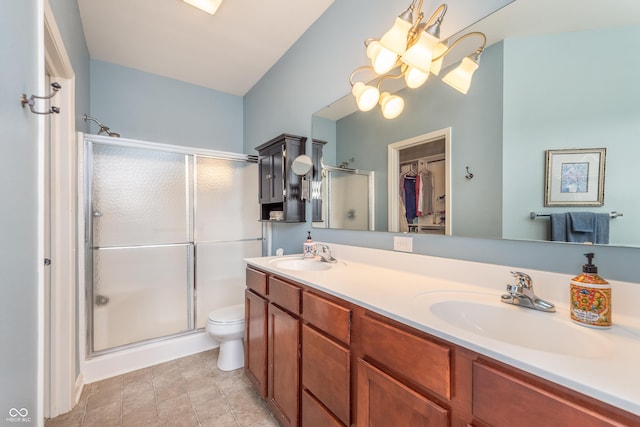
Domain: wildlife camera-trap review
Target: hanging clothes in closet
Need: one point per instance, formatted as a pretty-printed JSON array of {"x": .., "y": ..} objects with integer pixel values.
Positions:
[
  {"x": 410, "y": 199},
  {"x": 406, "y": 171},
  {"x": 416, "y": 193},
  {"x": 424, "y": 190}
]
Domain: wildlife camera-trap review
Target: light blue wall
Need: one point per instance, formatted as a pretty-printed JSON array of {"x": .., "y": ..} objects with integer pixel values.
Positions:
[
  {"x": 19, "y": 255},
  {"x": 150, "y": 107},
  {"x": 597, "y": 99},
  {"x": 476, "y": 129},
  {"x": 314, "y": 73},
  {"x": 325, "y": 130}
]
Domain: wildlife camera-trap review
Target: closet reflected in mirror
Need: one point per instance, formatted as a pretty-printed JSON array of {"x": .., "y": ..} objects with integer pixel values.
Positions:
[{"x": 419, "y": 184}]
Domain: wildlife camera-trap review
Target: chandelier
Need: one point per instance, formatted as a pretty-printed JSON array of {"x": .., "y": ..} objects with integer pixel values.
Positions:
[{"x": 412, "y": 50}]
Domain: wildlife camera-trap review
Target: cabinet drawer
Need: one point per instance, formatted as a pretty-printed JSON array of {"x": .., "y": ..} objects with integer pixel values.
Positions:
[
  {"x": 284, "y": 295},
  {"x": 257, "y": 281},
  {"x": 314, "y": 415},
  {"x": 382, "y": 399},
  {"x": 331, "y": 318},
  {"x": 326, "y": 372},
  {"x": 500, "y": 399},
  {"x": 419, "y": 360}
]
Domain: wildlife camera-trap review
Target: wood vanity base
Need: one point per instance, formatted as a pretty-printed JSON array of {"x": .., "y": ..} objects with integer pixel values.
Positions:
[{"x": 347, "y": 366}]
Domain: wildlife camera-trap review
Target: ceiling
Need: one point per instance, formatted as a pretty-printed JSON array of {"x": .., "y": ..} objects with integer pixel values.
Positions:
[{"x": 229, "y": 51}]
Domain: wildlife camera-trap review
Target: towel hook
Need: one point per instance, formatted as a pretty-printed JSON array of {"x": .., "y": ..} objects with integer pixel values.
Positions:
[
  {"x": 31, "y": 102},
  {"x": 469, "y": 175}
]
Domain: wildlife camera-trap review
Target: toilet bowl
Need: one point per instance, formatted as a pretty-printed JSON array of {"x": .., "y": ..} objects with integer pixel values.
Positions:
[{"x": 226, "y": 326}]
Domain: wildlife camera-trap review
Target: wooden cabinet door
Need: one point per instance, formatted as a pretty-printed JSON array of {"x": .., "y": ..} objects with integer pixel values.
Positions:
[
  {"x": 270, "y": 171},
  {"x": 277, "y": 171},
  {"x": 255, "y": 341},
  {"x": 284, "y": 365},
  {"x": 316, "y": 415},
  {"x": 384, "y": 401},
  {"x": 316, "y": 179},
  {"x": 264, "y": 180}
]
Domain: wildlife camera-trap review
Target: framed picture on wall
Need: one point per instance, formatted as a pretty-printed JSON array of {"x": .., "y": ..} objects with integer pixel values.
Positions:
[{"x": 575, "y": 177}]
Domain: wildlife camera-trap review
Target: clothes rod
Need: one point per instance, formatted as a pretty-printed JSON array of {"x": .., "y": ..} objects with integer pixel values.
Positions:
[{"x": 613, "y": 214}]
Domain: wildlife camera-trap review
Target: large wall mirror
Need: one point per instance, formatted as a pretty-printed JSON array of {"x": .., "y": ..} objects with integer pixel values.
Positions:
[{"x": 556, "y": 75}]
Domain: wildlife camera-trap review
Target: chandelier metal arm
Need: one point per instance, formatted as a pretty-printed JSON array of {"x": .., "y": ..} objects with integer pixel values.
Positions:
[
  {"x": 357, "y": 70},
  {"x": 390, "y": 76},
  {"x": 438, "y": 15},
  {"x": 466, "y": 36}
]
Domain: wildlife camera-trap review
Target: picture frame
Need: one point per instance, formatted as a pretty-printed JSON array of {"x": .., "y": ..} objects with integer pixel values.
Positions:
[{"x": 575, "y": 177}]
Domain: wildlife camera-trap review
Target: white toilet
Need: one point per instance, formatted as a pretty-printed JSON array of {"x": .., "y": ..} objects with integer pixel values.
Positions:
[{"x": 226, "y": 326}]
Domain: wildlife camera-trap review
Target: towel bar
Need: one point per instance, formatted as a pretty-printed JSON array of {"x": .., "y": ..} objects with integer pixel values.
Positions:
[{"x": 613, "y": 214}]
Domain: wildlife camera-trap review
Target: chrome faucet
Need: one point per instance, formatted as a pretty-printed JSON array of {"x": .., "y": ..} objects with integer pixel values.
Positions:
[
  {"x": 324, "y": 253},
  {"x": 521, "y": 293}
]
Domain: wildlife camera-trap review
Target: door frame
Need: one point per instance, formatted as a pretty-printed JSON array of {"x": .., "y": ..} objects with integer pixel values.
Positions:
[
  {"x": 63, "y": 388},
  {"x": 393, "y": 166}
]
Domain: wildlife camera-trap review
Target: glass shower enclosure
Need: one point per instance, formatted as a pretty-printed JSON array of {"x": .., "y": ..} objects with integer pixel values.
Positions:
[
  {"x": 166, "y": 231},
  {"x": 348, "y": 199}
]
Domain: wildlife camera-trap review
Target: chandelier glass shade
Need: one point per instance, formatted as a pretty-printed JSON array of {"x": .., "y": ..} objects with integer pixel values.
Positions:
[{"x": 414, "y": 48}]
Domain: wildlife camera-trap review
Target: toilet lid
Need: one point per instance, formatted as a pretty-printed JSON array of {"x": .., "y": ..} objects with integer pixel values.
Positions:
[{"x": 229, "y": 314}]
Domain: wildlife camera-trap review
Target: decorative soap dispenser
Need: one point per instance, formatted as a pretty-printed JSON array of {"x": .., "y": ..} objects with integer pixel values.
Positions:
[
  {"x": 309, "y": 247},
  {"x": 591, "y": 297}
]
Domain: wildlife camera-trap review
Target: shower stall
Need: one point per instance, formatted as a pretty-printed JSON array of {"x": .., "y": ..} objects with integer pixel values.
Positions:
[
  {"x": 166, "y": 229},
  {"x": 348, "y": 196}
]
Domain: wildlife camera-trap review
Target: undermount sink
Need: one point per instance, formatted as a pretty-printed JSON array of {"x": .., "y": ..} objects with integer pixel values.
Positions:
[
  {"x": 300, "y": 264},
  {"x": 483, "y": 314}
]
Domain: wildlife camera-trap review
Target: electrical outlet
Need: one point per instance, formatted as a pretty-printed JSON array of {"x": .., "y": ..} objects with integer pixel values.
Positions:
[{"x": 403, "y": 244}]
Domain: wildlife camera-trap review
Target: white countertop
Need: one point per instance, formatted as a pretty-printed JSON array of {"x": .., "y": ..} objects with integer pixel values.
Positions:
[{"x": 604, "y": 364}]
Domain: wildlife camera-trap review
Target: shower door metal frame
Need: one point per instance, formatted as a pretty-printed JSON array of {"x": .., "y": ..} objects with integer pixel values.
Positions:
[{"x": 191, "y": 154}]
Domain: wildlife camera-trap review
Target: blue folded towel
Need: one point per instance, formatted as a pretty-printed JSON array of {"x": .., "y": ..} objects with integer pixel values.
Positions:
[
  {"x": 602, "y": 227},
  {"x": 558, "y": 227},
  {"x": 580, "y": 227},
  {"x": 583, "y": 222}
]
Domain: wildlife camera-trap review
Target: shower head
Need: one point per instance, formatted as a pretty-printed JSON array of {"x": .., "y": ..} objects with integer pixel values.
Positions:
[{"x": 103, "y": 128}]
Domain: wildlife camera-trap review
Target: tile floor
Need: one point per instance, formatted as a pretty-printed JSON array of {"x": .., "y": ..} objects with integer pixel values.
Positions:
[{"x": 190, "y": 391}]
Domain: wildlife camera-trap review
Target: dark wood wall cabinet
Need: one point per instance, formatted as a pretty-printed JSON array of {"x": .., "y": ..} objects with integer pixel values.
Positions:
[
  {"x": 328, "y": 362},
  {"x": 279, "y": 188},
  {"x": 317, "y": 146}
]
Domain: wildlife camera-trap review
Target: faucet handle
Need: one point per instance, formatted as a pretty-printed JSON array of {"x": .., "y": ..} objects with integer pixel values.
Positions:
[
  {"x": 324, "y": 252},
  {"x": 321, "y": 247},
  {"x": 522, "y": 279}
]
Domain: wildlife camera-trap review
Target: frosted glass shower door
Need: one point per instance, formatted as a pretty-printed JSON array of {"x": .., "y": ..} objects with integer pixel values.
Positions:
[
  {"x": 140, "y": 293},
  {"x": 226, "y": 231},
  {"x": 349, "y": 201},
  {"x": 141, "y": 244}
]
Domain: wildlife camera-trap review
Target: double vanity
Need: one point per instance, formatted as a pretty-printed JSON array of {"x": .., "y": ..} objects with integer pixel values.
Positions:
[{"x": 390, "y": 338}]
